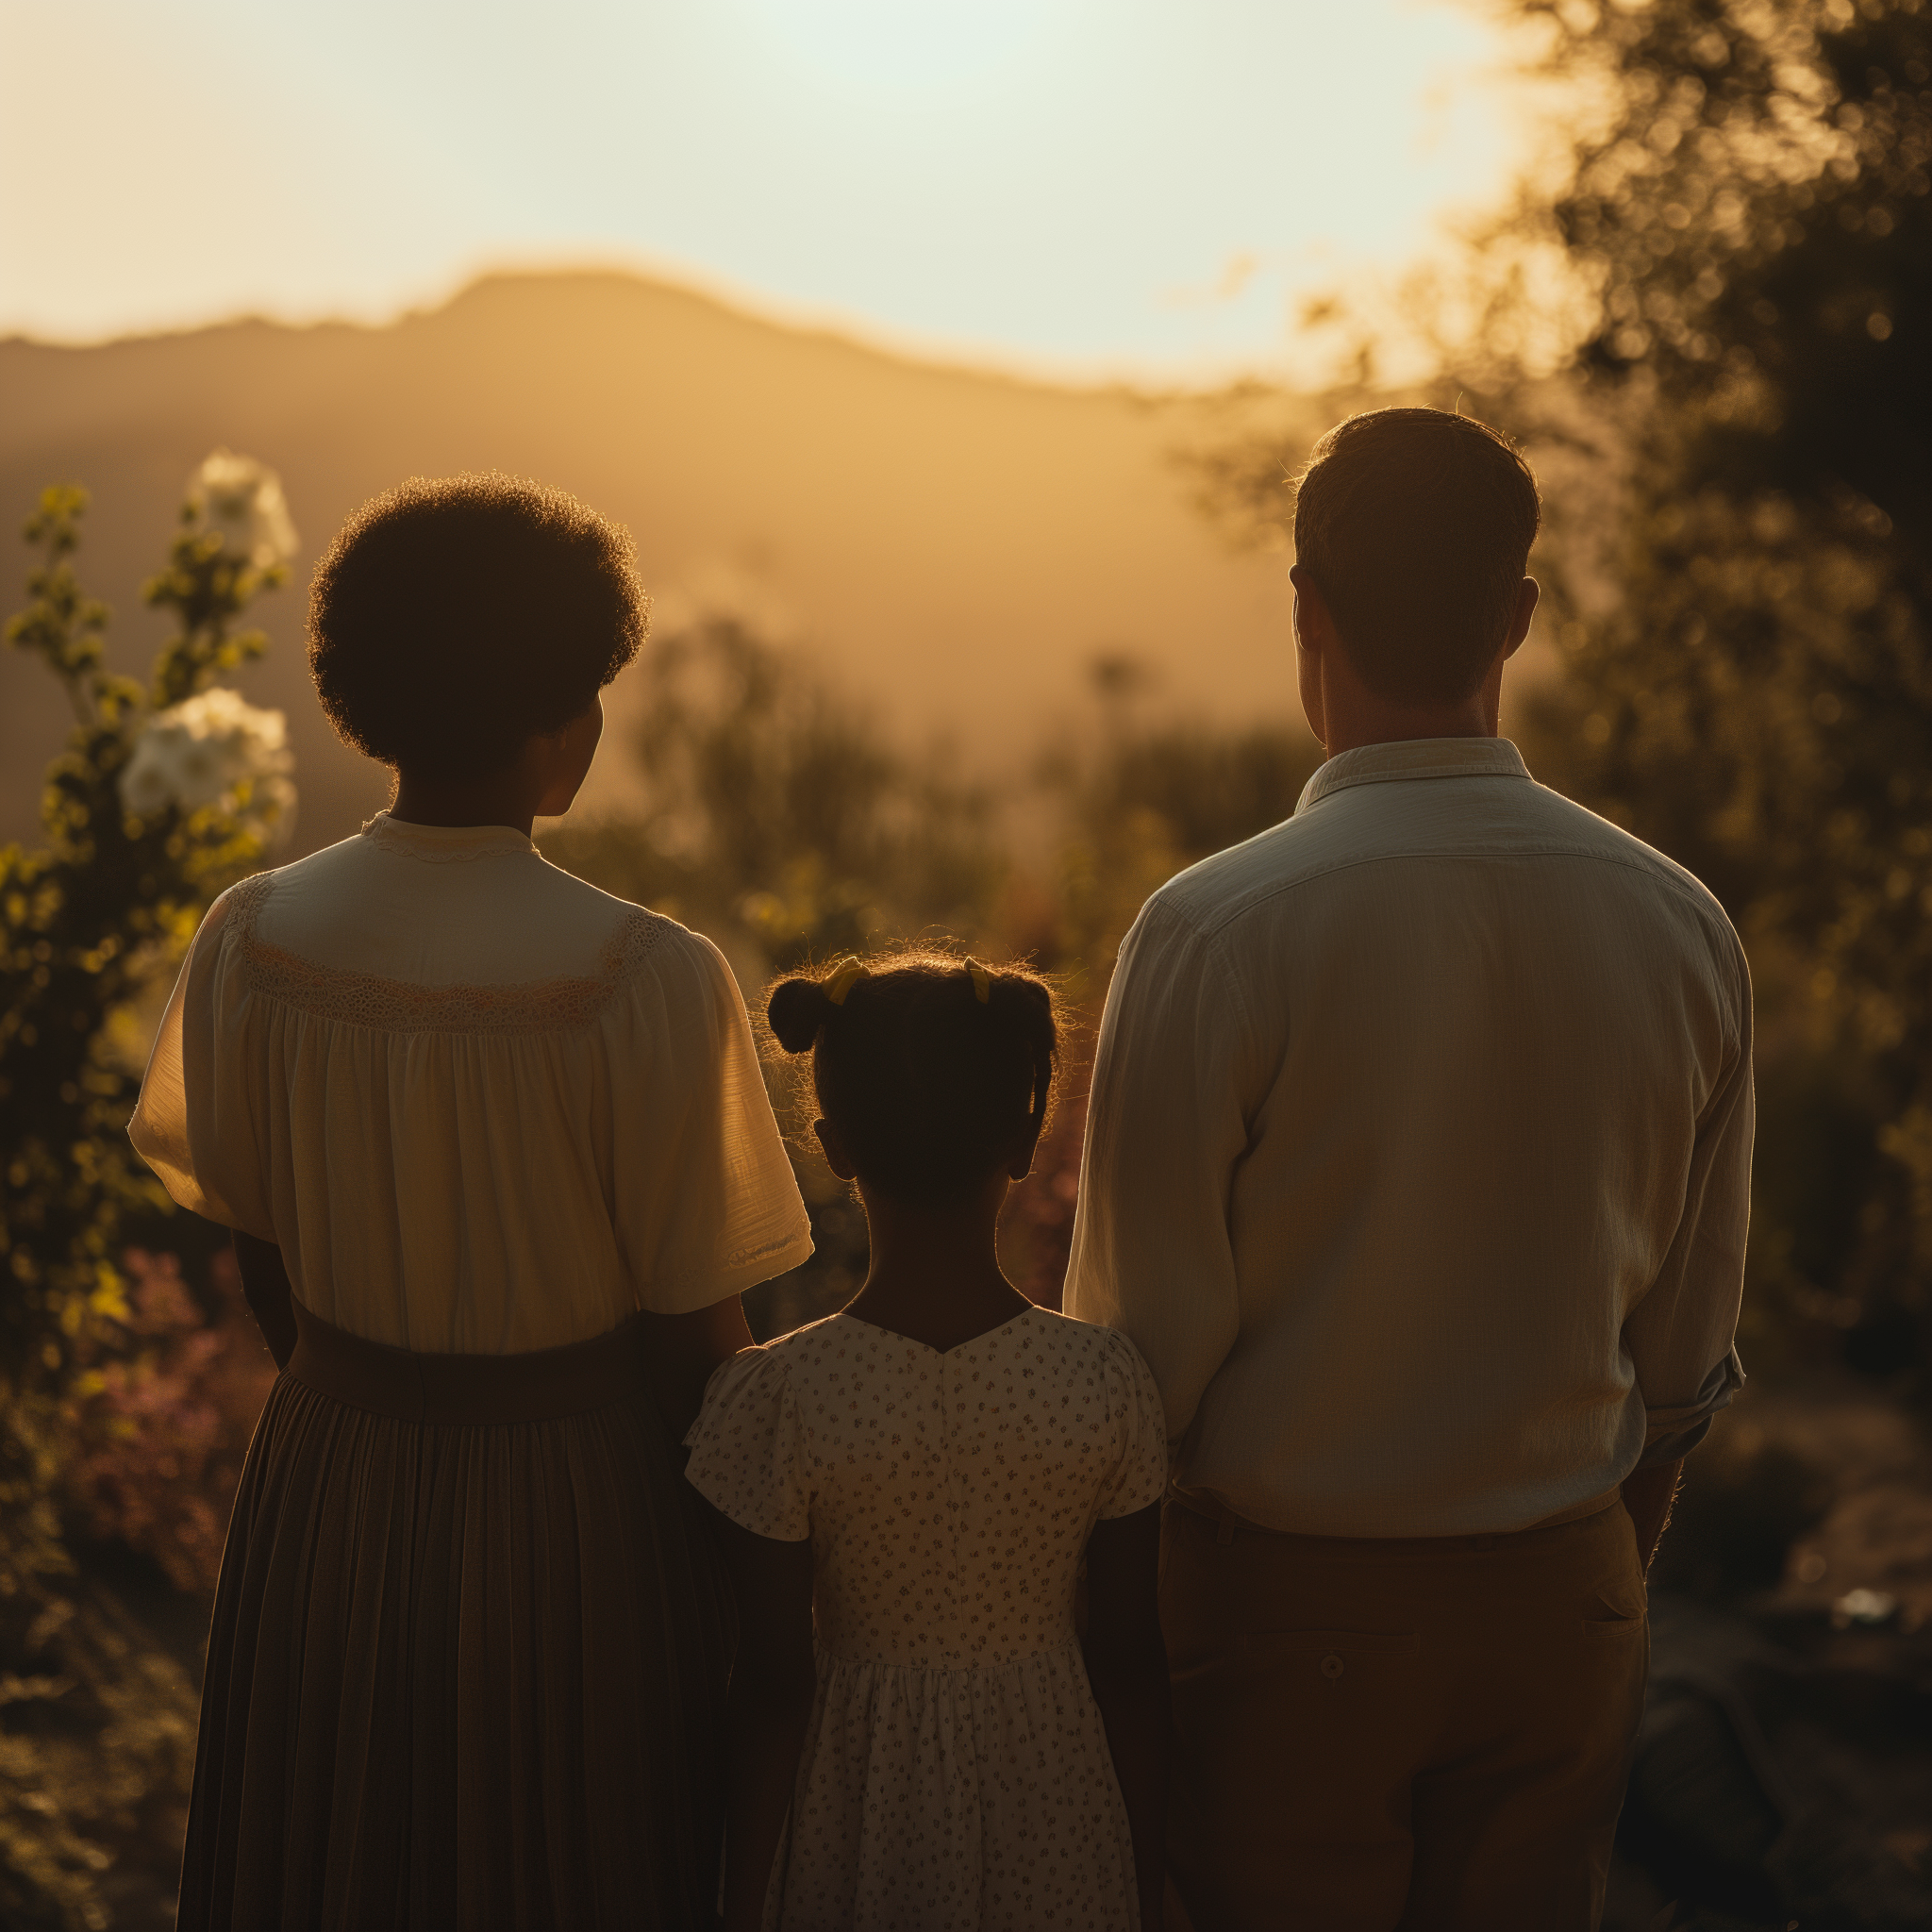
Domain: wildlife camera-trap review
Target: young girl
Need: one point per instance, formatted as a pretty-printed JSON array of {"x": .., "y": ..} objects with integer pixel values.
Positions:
[{"x": 909, "y": 1489}]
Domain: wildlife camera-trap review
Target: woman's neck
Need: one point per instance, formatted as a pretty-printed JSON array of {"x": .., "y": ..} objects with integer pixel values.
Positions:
[
  {"x": 481, "y": 802},
  {"x": 935, "y": 1276}
]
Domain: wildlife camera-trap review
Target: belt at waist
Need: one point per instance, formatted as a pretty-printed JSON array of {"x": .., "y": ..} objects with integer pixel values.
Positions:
[
  {"x": 540, "y": 1385},
  {"x": 1210, "y": 1507}
]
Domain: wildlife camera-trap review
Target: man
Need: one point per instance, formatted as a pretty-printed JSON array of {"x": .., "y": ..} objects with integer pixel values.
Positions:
[{"x": 1418, "y": 1167}]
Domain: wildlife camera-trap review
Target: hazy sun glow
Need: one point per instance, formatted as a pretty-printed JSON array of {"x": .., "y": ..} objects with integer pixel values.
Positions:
[{"x": 1090, "y": 186}]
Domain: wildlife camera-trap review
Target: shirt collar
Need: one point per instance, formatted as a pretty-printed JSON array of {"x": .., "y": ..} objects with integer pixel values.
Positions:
[
  {"x": 1414, "y": 758},
  {"x": 443, "y": 843}
]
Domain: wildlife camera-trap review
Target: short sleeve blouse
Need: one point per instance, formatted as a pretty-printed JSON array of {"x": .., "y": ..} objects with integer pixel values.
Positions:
[{"x": 482, "y": 1107}]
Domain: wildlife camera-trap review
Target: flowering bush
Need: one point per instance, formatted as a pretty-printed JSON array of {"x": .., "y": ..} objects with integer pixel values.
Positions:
[
  {"x": 161, "y": 1419},
  {"x": 240, "y": 501},
  {"x": 215, "y": 749},
  {"x": 161, "y": 797},
  {"x": 123, "y": 1409}
]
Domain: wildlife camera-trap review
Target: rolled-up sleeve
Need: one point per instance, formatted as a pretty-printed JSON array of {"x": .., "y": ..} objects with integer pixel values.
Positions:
[
  {"x": 1681, "y": 1336},
  {"x": 1152, "y": 1253}
]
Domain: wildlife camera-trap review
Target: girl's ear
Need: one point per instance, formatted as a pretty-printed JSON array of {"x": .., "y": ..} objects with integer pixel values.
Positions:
[{"x": 836, "y": 1158}]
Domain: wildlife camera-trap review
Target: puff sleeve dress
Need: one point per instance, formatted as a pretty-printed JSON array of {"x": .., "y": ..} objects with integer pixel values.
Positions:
[
  {"x": 466, "y": 1658},
  {"x": 955, "y": 1772}
]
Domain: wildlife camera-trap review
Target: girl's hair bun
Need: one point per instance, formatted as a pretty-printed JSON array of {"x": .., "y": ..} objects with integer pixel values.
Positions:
[{"x": 796, "y": 1010}]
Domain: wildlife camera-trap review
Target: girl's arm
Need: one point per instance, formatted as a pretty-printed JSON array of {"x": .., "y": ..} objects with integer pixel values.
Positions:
[
  {"x": 772, "y": 1680},
  {"x": 1126, "y": 1665}
]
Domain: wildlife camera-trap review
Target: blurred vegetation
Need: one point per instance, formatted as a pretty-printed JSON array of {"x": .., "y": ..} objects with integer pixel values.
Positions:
[
  {"x": 125, "y": 1403},
  {"x": 1749, "y": 684},
  {"x": 1713, "y": 334},
  {"x": 782, "y": 820}
]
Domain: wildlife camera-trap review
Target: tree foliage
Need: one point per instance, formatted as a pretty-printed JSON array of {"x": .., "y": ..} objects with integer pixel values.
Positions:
[
  {"x": 778, "y": 816},
  {"x": 1750, "y": 644}
]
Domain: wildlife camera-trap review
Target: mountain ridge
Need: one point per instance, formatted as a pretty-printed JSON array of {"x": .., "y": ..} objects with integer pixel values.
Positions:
[{"x": 957, "y": 544}]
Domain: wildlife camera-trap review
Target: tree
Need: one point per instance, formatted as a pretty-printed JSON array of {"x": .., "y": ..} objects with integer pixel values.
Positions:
[{"x": 1751, "y": 220}]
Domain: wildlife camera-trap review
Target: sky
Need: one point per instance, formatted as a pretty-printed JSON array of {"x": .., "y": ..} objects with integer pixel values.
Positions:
[{"x": 1075, "y": 188}]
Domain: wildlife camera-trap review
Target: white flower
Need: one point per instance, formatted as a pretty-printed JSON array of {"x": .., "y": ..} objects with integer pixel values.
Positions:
[
  {"x": 214, "y": 749},
  {"x": 244, "y": 501}
]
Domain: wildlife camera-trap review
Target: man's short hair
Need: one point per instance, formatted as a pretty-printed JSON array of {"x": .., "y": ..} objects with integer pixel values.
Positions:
[
  {"x": 1415, "y": 526},
  {"x": 452, "y": 620}
]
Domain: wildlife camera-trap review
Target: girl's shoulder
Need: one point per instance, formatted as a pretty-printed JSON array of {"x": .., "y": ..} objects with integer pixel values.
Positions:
[
  {"x": 1091, "y": 1341},
  {"x": 1101, "y": 1355},
  {"x": 767, "y": 1366}
]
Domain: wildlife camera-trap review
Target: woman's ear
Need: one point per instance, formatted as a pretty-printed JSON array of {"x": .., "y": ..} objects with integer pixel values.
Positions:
[{"x": 836, "y": 1158}]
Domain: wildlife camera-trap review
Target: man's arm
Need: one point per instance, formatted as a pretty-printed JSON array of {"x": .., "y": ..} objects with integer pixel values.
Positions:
[
  {"x": 1152, "y": 1253},
  {"x": 1126, "y": 1667},
  {"x": 1648, "y": 1495},
  {"x": 1680, "y": 1337}
]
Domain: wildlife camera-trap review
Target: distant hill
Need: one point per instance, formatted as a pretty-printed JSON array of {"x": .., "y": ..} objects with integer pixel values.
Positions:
[{"x": 957, "y": 545}]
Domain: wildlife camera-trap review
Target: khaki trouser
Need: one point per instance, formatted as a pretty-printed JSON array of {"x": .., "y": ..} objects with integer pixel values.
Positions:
[{"x": 1428, "y": 1734}]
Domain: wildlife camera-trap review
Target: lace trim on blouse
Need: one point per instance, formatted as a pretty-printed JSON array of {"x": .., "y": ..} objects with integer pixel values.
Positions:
[{"x": 395, "y": 1005}]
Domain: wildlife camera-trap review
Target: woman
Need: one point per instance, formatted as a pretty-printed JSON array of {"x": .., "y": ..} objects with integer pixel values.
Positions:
[{"x": 505, "y": 1139}]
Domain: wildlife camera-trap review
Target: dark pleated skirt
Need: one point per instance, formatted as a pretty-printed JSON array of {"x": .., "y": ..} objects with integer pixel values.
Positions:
[{"x": 469, "y": 1653}]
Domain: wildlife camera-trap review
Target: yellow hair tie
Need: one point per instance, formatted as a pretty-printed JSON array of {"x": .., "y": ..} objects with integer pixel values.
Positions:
[
  {"x": 851, "y": 971},
  {"x": 982, "y": 980}
]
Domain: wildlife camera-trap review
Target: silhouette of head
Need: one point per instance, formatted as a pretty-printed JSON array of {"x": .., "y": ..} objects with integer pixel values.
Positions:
[
  {"x": 1415, "y": 526},
  {"x": 451, "y": 620},
  {"x": 931, "y": 1087}
]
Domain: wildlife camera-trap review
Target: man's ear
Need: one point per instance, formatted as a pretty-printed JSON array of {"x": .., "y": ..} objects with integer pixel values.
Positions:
[
  {"x": 836, "y": 1158},
  {"x": 1315, "y": 629},
  {"x": 1527, "y": 593}
]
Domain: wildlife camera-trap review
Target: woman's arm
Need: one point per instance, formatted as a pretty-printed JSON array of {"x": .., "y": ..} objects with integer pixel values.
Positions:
[
  {"x": 1126, "y": 1665},
  {"x": 773, "y": 1681},
  {"x": 684, "y": 1351},
  {"x": 265, "y": 1288}
]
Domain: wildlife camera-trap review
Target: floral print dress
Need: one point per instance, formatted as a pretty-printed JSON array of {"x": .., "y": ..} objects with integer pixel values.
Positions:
[{"x": 955, "y": 1772}]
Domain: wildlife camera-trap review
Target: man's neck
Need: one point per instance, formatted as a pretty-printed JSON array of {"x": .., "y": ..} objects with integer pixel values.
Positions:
[
  {"x": 1352, "y": 715},
  {"x": 1390, "y": 726}
]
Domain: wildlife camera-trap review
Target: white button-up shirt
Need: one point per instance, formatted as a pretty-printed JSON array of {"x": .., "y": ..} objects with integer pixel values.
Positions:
[{"x": 1417, "y": 1159}]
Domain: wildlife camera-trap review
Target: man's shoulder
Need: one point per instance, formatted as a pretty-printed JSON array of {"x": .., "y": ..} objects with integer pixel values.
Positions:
[
  {"x": 1370, "y": 825},
  {"x": 1576, "y": 832}
]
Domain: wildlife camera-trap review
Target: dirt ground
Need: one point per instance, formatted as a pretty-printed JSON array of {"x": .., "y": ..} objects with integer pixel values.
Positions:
[{"x": 1784, "y": 1773}]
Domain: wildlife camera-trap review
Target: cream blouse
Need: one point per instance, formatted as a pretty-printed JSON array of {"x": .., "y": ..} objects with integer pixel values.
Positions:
[{"x": 482, "y": 1107}]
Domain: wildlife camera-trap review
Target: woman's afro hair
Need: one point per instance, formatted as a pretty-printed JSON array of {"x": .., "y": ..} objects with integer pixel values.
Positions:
[
  {"x": 453, "y": 619},
  {"x": 929, "y": 1083}
]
